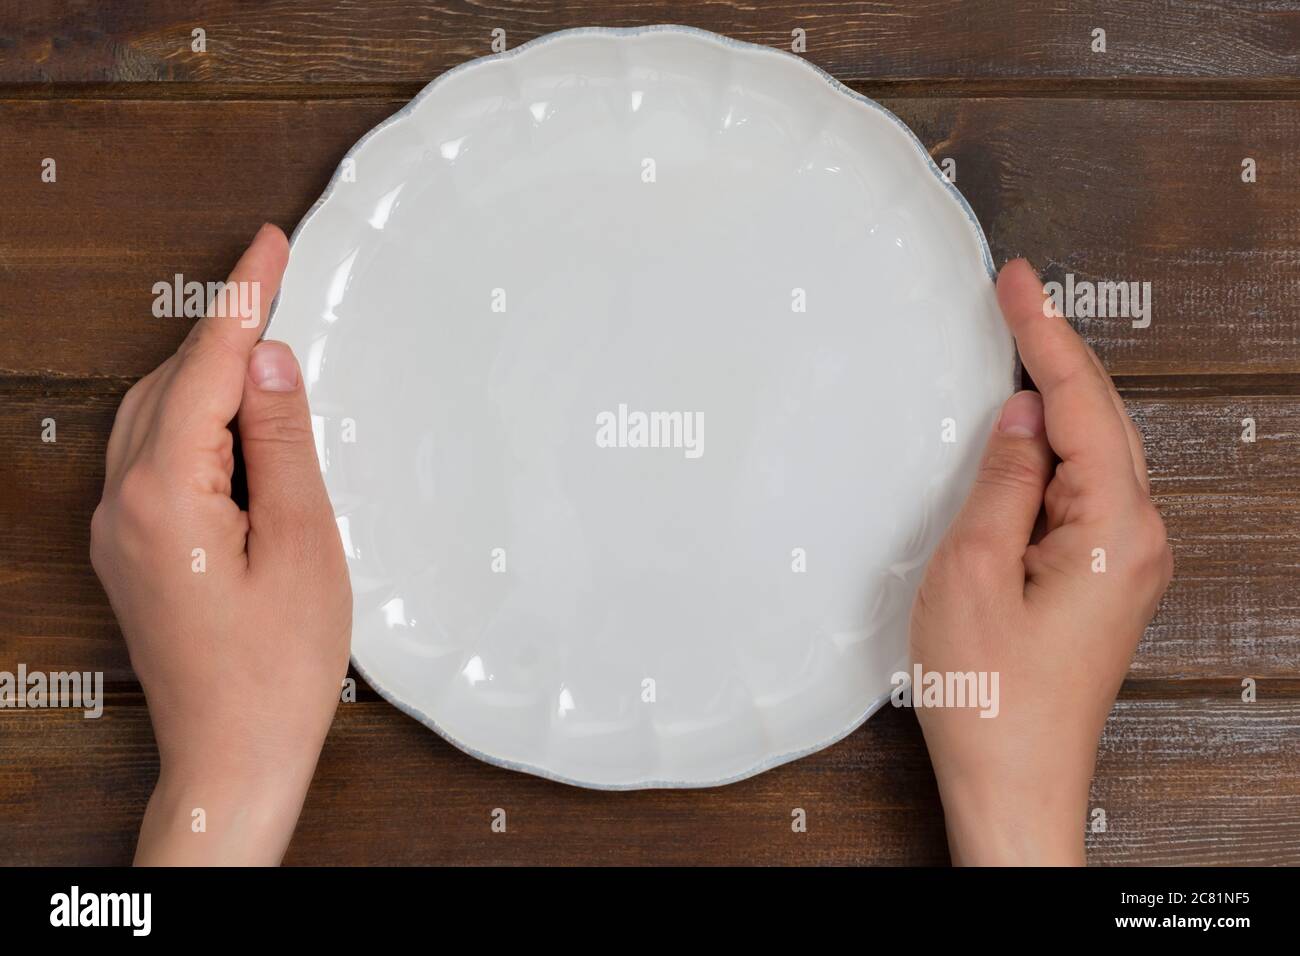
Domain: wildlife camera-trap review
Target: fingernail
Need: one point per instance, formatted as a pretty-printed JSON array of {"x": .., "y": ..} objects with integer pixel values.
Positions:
[
  {"x": 273, "y": 367},
  {"x": 1022, "y": 415}
]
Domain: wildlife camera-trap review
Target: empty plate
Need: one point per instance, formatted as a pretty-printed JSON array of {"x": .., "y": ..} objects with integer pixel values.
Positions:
[{"x": 647, "y": 368}]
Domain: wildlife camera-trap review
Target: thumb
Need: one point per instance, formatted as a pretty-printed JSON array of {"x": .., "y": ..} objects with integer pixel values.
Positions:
[
  {"x": 999, "y": 514},
  {"x": 289, "y": 513}
]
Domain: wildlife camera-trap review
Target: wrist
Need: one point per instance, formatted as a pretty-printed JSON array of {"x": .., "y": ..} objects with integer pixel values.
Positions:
[
  {"x": 213, "y": 818},
  {"x": 1012, "y": 826}
]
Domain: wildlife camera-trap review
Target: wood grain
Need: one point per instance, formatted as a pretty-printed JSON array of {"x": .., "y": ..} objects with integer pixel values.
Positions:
[
  {"x": 318, "y": 42},
  {"x": 1188, "y": 780},
  {"x": 1131, "y": 190},
  {"x": 1231, "y": 508},
  {"x": 1123, "y": 165},
  {"x": 1204, "y": 781}
]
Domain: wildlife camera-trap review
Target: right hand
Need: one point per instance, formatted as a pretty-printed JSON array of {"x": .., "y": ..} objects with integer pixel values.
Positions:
[{"x": 1008, "y": 592}]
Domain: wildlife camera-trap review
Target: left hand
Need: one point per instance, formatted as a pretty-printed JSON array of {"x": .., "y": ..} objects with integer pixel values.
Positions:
[{"x": 238, "y": 622}]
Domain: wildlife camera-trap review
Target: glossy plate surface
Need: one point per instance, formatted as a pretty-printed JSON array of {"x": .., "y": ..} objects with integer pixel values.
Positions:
[{"x": 603, "y": 224}]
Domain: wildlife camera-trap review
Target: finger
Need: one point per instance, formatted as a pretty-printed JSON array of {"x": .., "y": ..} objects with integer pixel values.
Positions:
[
  {"x": 129, "y": 422},
  {"x": 1083, "y": 425},
  {"x": 213, "y": 360},
  {"x": 1130, "y": 429},
  {"x": 1000, "y": 511},
  {"x": 289, "y": 513}
]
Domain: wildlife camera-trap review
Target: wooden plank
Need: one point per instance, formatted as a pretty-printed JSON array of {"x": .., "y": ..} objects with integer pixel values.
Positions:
[
  {"x": 1129, "y": 190},
  {"x": 1228, "y": 505},
  {"x": 53, "y": 612},
  {"x": 1210, "y": 781},
  {"x": 1231, "y": 507},
  {"x": 1189, "y": 780},
  {"x": 1143, "y": 191},
  {"x": 316, "y": 42},
  {"x": 144, "y": 191}
]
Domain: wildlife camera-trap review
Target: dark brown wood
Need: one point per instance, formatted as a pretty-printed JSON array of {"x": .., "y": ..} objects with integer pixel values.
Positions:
[
  {"x": 1231, "y": 510},
  {"x": 1196, "y": 779},
  {"x": 316, "y": 41},
  {"x": 1122, "y": 165},
  {"x": 81, "y": 255}
]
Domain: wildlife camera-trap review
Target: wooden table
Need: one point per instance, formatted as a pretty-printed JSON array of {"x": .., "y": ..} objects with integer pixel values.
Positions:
[{"x": 1123, "y": 164}]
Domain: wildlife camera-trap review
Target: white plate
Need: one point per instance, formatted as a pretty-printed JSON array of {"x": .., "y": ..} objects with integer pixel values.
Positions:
[{"x": 607, "y": 219}]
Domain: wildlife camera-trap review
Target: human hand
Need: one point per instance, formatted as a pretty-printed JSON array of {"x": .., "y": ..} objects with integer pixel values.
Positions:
[
  {"x": 1013, "y": 593},
  {"x": 241, "y": 647}
]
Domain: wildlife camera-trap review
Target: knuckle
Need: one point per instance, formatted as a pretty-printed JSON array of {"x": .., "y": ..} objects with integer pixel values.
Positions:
[
  {"x": 210, "y": 345},
  {"x": 126, "y": 519},
  {"x": 131, "y": 401},
  {"x": 136, "y": 491},
  {"x": 1166, "y": 566},
  {"x": 1153, "y": 532},
  {"x": 99, "y": 536},
  {"x": 969, "y": 557},
  {"x": 283, "y": 423},
  {"x": 1161, "y": 554},
  {"x": 1154, "y": 553},
  {"x": 1139, "y": 440},
  {"x": 138, "y": 503},
  {"x": 1010, "y": 470}
]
